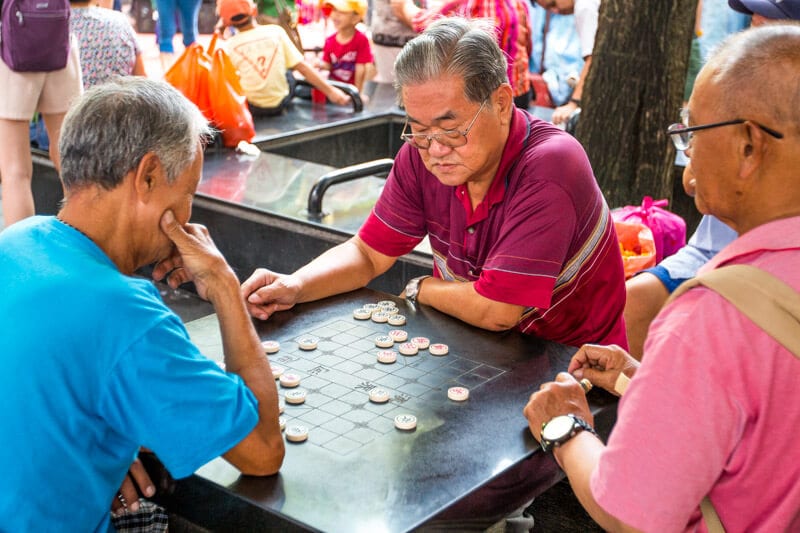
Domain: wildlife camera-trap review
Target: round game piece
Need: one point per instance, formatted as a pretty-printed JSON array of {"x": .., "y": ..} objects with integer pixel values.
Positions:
[
  {"x": 406, "y": 422},
  {"x": 396, "y": 320},
  {"x": 362, "y": 314},
  {"x": 296, "y": 433},
  {"x": 281, "y": 405},
  {"x": 386, "y": 303},
  {"x": 398, "y": 335},
  {"x": 308, "y": 343},
  {"x": 295, "y": 397},
  {"x": 378, "y": 395},
  {"x": 422, "y": 343},
  {"x": 379, "y": 317},
  {"x": 289, "y": 380},
  {"x": 390, "y": 310},
  {"x": 408, "y": 348},
  {"x": 370, "y": 307},
  {"x": 271, "y": 346},
  {"x": 282, "y": 422},
  {"x": 387, "y": 357},
  {"x": 384, "y": 341},
  {"x": 458, "y": 394},
  {"x": 438, "y": 349},
  {"x": 277, "y": 371}
]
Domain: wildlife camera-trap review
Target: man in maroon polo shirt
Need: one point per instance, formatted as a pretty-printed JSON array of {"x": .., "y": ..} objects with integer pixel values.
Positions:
[{"x": 520, "y": 232}]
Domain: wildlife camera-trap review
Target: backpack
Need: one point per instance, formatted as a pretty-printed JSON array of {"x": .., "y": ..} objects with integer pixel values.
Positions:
[{"x": 34, "y": 34}]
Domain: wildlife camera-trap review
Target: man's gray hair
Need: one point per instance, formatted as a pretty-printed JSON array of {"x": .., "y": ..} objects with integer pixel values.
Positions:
[
  {"x": 757, "y": 72},
  {"x": 110, "y": 128},
  {"x": 457, "y": 47}
]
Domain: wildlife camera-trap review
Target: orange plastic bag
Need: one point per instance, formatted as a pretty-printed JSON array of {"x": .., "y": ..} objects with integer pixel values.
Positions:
[
  {"x": 228, "y": 102},
  {"x": 190, "y": 75},
  {"x": 637, "y": 246}
]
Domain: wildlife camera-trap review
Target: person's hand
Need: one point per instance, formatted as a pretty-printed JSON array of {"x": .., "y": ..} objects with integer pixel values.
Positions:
[
  {"x": 339, "y": 97},
  {"x": 563, "y": 396},
  {"x": 562, "y": 113},
  {"x": 602, "y": 365},
  {"x": 404, "y": 10},
  {"x": 423, "y": 18},
  {"x": 266, "y": 292},
  {"x": 194, "y": 258},
  {"x": 128, "y": 497}
]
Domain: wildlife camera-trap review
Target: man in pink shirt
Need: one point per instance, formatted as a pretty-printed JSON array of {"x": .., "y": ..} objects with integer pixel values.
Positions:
[
  {"x": 521, "y": 235},
  {"x": 712, "y": 410}
]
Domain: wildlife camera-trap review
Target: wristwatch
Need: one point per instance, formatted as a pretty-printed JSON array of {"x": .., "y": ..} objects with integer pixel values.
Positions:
[
  {"x": 562, "y": 428},
  {"x": 412, "y": 288}
]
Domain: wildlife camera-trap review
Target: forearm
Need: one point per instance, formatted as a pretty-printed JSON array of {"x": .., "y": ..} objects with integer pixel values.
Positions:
[
  {"x": 577, "y": 93},
  {"x": 343, "y": 268},
  {"x": 360, "y": 75},
  {"x": 579, "y": 457},
  {"x": 263, "y": 451},
  {"x": 462, "y": 301},
  {"x": 313, "y": 77}
]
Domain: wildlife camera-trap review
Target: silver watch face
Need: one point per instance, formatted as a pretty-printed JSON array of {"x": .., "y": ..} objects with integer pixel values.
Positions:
[{"x": 557, "y": 428}]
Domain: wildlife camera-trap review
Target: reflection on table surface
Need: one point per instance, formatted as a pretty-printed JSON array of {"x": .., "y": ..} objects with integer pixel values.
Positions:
[{"x": 281, "y": 185}]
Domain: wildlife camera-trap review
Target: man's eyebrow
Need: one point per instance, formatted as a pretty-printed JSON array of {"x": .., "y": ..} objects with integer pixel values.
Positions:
[{"x": 448, "y": 115}]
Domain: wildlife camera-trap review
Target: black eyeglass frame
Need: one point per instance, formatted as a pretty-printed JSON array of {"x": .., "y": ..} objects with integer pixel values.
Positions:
[
  {"x": 676, "y": 130},
  {"x": 411, "y": 138}
]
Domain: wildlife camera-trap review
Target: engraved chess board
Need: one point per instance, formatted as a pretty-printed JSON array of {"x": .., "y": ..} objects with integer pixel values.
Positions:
[{"x": 341, "y": 371}]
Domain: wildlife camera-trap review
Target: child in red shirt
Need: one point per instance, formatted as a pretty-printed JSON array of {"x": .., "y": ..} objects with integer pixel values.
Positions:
[{"x": 347, "y": 53}]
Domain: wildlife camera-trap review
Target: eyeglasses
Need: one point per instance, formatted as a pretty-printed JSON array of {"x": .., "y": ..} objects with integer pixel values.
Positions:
[
  {"x": 449, "y": 138},
  {"x": 681, "y": 134}
]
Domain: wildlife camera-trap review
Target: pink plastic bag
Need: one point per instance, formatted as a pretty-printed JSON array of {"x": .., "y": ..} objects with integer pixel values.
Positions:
[{"x": 669, "y": 229}]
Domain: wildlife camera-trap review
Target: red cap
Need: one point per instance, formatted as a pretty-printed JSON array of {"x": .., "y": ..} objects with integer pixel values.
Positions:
[{"x": 228, "y": 9}]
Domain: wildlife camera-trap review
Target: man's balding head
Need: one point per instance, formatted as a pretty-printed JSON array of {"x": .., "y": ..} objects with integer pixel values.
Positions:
[{"x": 744, "y": 168}]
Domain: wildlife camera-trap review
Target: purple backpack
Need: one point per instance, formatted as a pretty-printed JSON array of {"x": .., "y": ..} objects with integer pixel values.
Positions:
[{"x": 34, "y": 35}]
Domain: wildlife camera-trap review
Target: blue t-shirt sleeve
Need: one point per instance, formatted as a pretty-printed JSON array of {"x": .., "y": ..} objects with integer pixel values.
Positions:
[
  {"x": 165, "y": 395},
  {"x": 710, "y": 237}
]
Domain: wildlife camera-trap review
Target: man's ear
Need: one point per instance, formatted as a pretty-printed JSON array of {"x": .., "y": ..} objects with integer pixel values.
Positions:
[
  {"x": 752, "y": 150},
  {"x": 147, "y": 175},
  {"x": 504, "y": 101}
]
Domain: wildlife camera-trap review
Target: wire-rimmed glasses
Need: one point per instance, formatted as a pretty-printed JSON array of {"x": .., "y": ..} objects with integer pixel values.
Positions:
[
  {"x": 449, "y": 138},
  {"x": 681, "y": 134}
]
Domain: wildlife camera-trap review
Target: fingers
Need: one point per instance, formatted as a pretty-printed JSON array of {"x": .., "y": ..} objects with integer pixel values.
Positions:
[
  {"x": 178, "y": 277},
  {"x": 604, "y": 379},
  {"x": 261, "y": 277},
  {"x": 588, "y": 355},
  {"x": 171, "y": 228},
  {"x": 142, "y": 479},
  {"x": 259, "y": 311},
  {"x": 266, "y": 292},
  {"x": 558, "y": 116},
  {"x": 560, "y": 397},
  {"x": 564, "y": 377},
  {"x": 126, "y": 498}
]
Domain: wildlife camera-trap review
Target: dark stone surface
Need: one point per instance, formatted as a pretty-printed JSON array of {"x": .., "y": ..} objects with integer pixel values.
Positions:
[{"x": 399, "y": 480}]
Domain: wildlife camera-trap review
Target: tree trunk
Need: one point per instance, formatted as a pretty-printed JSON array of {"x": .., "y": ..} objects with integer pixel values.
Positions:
[{"x": 633, "y": 92}]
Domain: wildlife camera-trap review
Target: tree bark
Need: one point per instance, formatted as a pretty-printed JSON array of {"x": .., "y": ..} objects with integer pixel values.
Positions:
[{"x": 633, "y": 92}]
